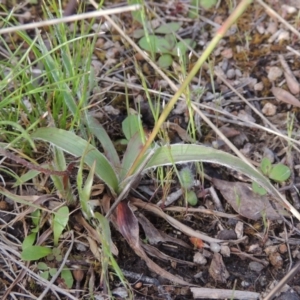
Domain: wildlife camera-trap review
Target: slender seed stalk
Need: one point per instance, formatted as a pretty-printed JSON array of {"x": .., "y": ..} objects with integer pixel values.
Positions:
[{"x": 219, "y": 35}]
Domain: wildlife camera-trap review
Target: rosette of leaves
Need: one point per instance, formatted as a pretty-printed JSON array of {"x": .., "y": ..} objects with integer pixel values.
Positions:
[
  {"x": 163, "y": 43},
  {"x": 276, "y": 172},
  {"x": 117, "y": 174}
]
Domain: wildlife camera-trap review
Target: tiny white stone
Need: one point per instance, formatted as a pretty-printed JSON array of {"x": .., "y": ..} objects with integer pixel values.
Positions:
[
  {"x": 259, "y": 86},
  {"x": 274, "y": 73},
  {"x": 199, "y": 259},
  {"x": 283, "y": 36},
  {"x": 238, "y": 73},
  {"x": 230, "y": 73},
  {"x": 269, "y": 109},
  {"x": 214, "y": 247},
  {"x": 225, "y": 251},
  {"x": 260, "y": 29}
]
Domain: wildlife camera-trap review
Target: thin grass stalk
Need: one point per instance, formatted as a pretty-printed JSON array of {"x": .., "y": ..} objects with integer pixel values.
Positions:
[{"x": 205, "y": 55}]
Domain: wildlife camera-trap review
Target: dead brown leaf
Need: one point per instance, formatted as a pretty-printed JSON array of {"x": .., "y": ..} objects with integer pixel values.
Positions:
[
  {"x": 154, "y": 252},
  {"x": 229, "y": 132},
  {"x": 290, "y": 78},
  {"x": 93, "y": 234},
  {"x": 244, "y": 201},
  {"x": 217, "y": 269},
  {"x": 292, "y": 83},
  {"x": 127, "y": 224},
  {"x": 283, "y": 96},
  {"x": 154, "y": 236},
  {"x": 180, "y": 131}
]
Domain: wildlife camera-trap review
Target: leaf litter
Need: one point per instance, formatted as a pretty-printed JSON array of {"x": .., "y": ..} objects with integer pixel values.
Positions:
[{"x": 249, "y": 59}]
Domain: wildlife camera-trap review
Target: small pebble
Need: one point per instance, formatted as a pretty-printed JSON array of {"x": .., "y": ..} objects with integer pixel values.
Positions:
[
  {"x": 283, "y": 36},
  {"x": 206, "y": 253},
  {"x": 289, "y": 9},
  {"x": 120, "y": 292},
  {"x": 227, "y": 234},
  {"x": 255, "y": 266},
  {"x": 263, "y": 281},
  {"x": 199, "y": 259},
  {"x": 290, "y": 295},
  {"x": 238, "y": 73},
  {"x": 272, "y": 27},
  {"x": 276, "y": 260},
  {"x": 269, "y": 109},
  {"x": 224, "y": 64},
  {"x": 227, "y": 53},
  {"x": 271, "y": 249},
  {"x": 225, "y": 251},
  {"x": 274, "y": 73},
  {"x": 268, "y": 153},
  {"x": 138, "y": 285},
  {"x": 282, "y": 248},
  {"x": 214, "y": 247},
  {"x": 258, "y": 86},
  {"x": 260, "y": 29},
  {"x": 230, "y": 73},
  {"x": 245, "y": 284}
]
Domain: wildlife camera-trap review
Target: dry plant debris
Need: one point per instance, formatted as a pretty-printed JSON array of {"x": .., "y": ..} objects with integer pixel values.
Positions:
[{"x": 233, "y": 242}]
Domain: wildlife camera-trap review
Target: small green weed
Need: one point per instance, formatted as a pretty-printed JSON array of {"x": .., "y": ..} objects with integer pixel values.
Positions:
[
  {"x": 31, "y": 252},
  {"x": 48, "y": 272},
  {"x": 278, "y": 173},
  {"x": 187, "y": 181},
  {"x": 195, "y": 4},
  {"x": 164, "y": 43}
]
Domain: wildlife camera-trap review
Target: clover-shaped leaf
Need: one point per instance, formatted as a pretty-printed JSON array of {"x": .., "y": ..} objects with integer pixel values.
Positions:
[
  {"x": 265, "y": 166},
  {"x": 258, "y": 189},
  {"x": 280, "y": 173},
  {"x": 60, "y": 221},
  {"x": 165, "y": 61},
  {"x": 156, "y": 44},
  {"x": 181, "y": 47},
  {"x": 168, "y": 28}
]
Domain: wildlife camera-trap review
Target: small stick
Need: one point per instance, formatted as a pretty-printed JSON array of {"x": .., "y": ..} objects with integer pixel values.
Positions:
[
  {"x": 131, "y": 182},
  {"x": 30, "y": 165},
  {"x": 283, "y": 281}
]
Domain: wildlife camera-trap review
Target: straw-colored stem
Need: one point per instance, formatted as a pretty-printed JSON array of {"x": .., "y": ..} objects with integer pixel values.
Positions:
[{"x": 219, "y": 35}]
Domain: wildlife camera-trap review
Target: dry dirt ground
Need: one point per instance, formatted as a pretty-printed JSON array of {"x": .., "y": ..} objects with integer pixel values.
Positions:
[{"x": 260, "y": 57}]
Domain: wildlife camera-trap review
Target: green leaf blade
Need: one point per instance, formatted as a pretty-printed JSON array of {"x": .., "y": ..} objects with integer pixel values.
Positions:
[
  {"x": 60, "y": 221},
  {"x": 178, "y": 154},
  {"x": 156, "y": 44},
  {"x": 165, "y": 61},
  {"x": 99, "y": 132},
  {"x": 73, "y": 144},
  {"x": 168, "y": 28},
  {"x": 280, "y": 173},
  {"x": 265, "y": 166},
  {"x": 34, "y": 253}
]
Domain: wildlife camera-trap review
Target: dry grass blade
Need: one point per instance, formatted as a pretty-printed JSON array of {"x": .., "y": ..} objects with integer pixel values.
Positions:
[
  {"x": 127, "y": 224},
  {"x": 69, "y": 19},
  {"x": 284, "y": 96},
  {"x": 283, "y": 281},
  {"x": 275, "y": 14},
  {"x": 59, "y": 269},
  {"x": 15, "y": 259},
  {"x": 200, "y": 293},
  {"x": 290, "y": 78},
  {"x": 176, "y": 224},
  {"x": 29, "y": 165}
]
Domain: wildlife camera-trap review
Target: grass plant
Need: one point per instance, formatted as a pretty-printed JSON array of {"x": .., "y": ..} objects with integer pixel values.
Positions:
[{"x": 46, "y": 91}]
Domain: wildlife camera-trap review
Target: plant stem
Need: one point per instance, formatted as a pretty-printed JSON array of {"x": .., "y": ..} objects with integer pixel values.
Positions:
[{"x": 219, "y": 35}]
